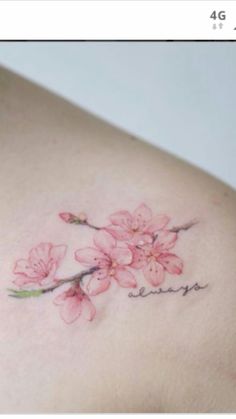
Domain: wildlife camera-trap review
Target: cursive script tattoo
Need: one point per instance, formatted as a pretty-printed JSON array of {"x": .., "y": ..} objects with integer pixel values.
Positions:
[
  {"x": 185, "y": 289},
  {"x": 129, "y": 242}
]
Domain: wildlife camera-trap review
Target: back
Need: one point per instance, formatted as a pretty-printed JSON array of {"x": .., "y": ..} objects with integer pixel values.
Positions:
[{"x": 120, "y": 263}]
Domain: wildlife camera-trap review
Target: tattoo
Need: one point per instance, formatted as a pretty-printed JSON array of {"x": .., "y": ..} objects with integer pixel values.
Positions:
[
  {"x": 128, "y": 243},
  {"x": 184, "y": 226},
  {"x": 185, "y": 289}
]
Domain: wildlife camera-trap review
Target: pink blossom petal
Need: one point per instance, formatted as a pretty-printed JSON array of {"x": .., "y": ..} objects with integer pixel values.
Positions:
[
  {"x": 23, "y": 267},
  {"x": 172, "y": 263},
  {"x": 125, "y": 278},
  {"x": 142, "y": 215},
  {"x": 165, "y": 240},
  {"x": 119, "y": 233},
  {"x": 157, "y": 223},
  {"x": 140, "y": 238},
  {"x": 90, "y": 256},
  {"x": 57, "y": 253},
  {"x": 22, "y": 280},
  {"x": 60, "y": 299},
  {"x": 122, "y": 219},
  {"x": 51, "y": 274},
  {"x": 98, "y": 283},
  {"x": 154, "y": 273},
  {"x": 139, "y": 258},
  {"x": 122, "y": 256},
  {"x": 104, "y": 241},
  {"x": 89, "y": 311},
  {"x": 40, "y": 253},
  {"x": 71, "y": 309}
]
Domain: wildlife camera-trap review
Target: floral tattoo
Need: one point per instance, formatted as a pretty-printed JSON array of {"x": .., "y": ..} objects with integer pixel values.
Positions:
[{"x": 130, "y": 242}]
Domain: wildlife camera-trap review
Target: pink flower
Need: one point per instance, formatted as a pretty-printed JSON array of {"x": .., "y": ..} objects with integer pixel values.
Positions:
[
  {"x": 73, "y": 302},
  {"x": 111, "y": 260},
  {"x": 155, "y": 259},
  {"x": 138, "y": 227},
  {"x": 41, "y": 266}
]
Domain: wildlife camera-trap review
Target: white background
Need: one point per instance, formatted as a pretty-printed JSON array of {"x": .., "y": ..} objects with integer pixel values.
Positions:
[{"x": 180, "y": 96}]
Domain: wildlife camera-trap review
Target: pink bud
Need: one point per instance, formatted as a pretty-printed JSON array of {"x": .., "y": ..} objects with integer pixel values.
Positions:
[
  {"x": 67, "y": 217},
  {"x": 82, "y": 216}
]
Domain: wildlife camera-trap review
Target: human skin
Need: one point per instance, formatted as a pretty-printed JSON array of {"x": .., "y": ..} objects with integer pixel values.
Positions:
[{"x": 161, "y": 353}]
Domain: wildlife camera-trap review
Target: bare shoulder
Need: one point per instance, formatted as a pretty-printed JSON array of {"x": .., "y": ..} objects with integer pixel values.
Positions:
[{"x": 117, "y": 268}]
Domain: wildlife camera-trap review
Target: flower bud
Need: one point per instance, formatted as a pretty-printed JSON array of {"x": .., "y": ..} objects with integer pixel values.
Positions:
[
  {"x": 68, "y": 217},
  {"x": 82, "y": 217}
]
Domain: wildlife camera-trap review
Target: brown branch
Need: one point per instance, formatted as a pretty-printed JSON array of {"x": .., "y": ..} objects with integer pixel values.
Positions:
[
  {"x": 184, "y": 227},
  {"x": 175, "y": 229},
  {"x": 75, "y": 278},
  {"x": 86, "y": 223}
]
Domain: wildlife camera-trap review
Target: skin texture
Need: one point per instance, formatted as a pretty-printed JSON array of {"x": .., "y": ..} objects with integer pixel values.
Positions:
[{"x": 162, "y": 353}]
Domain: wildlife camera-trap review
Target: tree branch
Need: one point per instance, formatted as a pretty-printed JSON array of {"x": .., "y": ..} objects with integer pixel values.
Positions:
[
  {"x": 36, "y": 293},
  {"x": 184, "y": 226}
]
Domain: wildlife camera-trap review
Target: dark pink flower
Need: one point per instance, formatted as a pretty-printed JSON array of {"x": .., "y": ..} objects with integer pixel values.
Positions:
[
  {"x": 41, "y": 266},
  {"x": 111, "y": 260},
  {"x": 155, "y": 259},
  {"x": 138, "y": 226},
  {"x": 73, "y": 302}
]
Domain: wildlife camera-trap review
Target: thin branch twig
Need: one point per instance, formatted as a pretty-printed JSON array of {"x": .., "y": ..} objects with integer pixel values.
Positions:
[
  {"x": 184, "y": 226},
  {"x": 77, "y": 278}
]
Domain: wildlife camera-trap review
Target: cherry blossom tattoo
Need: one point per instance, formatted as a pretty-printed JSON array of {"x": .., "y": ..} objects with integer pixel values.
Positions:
[{"x": 131, "y": 242}]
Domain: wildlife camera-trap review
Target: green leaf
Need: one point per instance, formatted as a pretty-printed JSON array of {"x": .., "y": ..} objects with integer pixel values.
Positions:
[{"x": 25, "y": 293}]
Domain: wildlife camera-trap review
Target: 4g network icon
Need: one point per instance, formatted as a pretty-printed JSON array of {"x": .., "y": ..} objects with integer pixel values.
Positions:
[{"x": 218, "y": 16}]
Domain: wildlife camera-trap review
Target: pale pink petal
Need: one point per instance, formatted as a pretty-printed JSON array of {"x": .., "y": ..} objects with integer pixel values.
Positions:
[
  {"x": 139, "y": 258},
  {"x": 90, "y": 256},
  {"x": 154, "y": 273},
  {"x": 98, "y": 283},
  {"x": 125, "y": 278},
  {"x": 122, "y": 219},
  {"x": 104, "y": 241},
  {"x": 89, "y": 311},
  {"x": 40, "y": 253},
  {"x": 23, "y": 267},
  {"x": 60, "y": 298},
  {"x": 119, "y": 233},
  {"x": 157, "y": 223},
  {"x": 142, "y": 215},
  {"x": 140, "y": 238},
  {"x": 22, "y": 280},
  {"x": 101, "y": 273},
  {"x": 165, "y": 240},
  {"x": 51, "y": 274},
  {"x": 57, "y": 253},
  {"x": 122, "y": 256},
  {"x": 71, "y": 309},
  {"x": 172, "y": 263}
]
